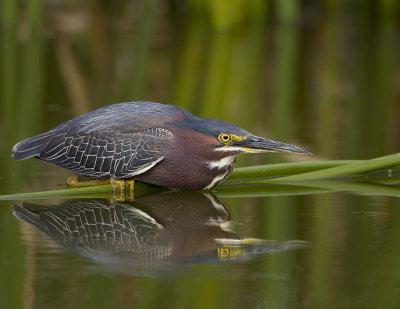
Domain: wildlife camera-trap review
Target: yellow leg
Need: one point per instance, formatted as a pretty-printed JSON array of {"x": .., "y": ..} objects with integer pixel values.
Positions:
[
  {"x": 125, "y": 189},
  {"x": 129, "y": 189}
]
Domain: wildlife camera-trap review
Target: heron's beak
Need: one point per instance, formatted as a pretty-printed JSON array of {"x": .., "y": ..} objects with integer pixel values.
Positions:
[{"x": 259, "y": 144}]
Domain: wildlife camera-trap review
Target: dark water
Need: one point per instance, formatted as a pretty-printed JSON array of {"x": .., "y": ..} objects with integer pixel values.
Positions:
[
  {"x": 168, "y": 254},
  {"x": 321, "y": 77}
]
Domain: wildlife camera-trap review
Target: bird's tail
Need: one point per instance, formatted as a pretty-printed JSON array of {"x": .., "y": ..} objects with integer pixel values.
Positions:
[{"x": 31, "y": 147}]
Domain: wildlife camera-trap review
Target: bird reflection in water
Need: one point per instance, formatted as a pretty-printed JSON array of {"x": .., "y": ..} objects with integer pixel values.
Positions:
[{"x": 166, "y": 229}]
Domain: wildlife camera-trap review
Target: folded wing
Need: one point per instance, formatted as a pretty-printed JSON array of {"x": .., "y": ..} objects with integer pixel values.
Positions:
[{"x": 110, "y": 152}]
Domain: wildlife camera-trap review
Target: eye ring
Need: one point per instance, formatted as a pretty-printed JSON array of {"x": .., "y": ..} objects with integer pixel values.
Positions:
[{"x": 224, "y": 138}]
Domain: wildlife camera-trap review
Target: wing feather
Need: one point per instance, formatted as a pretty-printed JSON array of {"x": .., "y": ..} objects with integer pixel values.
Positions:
[
  {"x": 121, "y": 155},
  {"x": 119, "y": 141}
]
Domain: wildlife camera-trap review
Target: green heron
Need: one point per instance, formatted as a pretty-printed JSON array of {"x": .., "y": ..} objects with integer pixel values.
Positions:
[{"x": 150, "y": 142}]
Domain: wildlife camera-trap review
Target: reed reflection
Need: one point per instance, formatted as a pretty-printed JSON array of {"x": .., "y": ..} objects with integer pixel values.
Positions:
[{"x": 166, "y": 229}]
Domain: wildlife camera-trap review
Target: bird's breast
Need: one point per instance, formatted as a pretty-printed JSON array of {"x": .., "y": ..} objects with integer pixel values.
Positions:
[{"x": 188, "y": 172}]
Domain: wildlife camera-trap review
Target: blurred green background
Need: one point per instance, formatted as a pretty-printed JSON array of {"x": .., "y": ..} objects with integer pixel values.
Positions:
[{"x": 323, "y": 75}]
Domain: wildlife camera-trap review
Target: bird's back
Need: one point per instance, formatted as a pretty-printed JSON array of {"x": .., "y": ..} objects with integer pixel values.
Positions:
[
  {"x": 117, "y": 141},
  {"x": 121, "y": 118}
]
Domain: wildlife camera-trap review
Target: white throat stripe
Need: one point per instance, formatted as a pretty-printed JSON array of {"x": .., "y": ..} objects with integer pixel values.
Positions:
[
  {"x": 220, "y": 164},
  {"x": 230, "y": 148}
]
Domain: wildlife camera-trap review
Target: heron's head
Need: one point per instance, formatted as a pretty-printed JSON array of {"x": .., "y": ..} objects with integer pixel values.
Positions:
[{"x": 225, "y": 137}]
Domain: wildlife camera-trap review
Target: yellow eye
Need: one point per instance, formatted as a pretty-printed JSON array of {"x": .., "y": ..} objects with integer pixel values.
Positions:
[{"x": 225, "y": 138}]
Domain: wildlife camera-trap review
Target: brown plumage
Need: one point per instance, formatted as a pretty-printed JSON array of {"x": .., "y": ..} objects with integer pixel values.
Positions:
[{"x": 151, "y": 142}]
